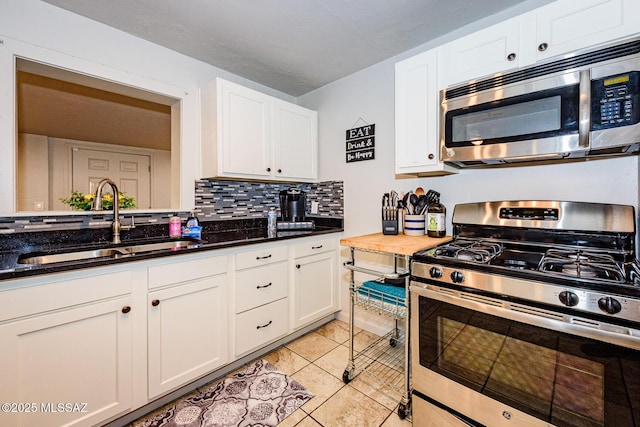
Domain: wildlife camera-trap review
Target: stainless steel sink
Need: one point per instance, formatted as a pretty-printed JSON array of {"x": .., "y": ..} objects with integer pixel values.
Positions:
[
  {"x": 115, "y": 252},
  {"x": 148, "y": 247}
]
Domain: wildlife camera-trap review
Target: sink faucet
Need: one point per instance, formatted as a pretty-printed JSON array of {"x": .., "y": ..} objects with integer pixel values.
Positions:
[{"x": 97, "y": 206}]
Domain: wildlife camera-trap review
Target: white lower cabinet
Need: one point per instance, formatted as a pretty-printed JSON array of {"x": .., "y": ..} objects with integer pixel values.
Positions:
[
  {"x": 86, "y": 347},
  {"x": 314, "y": 291},
  {"x": 257, "y": 327},
  {"x": 71, "y": 363},
  {"x": 187, "y": 332},
  {"x": 186, "y": 321},
  {"x": 261, "y": 303}
]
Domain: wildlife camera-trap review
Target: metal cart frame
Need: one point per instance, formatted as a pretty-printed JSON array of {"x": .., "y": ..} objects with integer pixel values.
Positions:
[{"x": 379, "y": 359}]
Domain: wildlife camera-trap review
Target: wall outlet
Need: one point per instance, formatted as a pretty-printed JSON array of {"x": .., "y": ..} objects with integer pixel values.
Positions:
[{"x": 314, "y": 207}]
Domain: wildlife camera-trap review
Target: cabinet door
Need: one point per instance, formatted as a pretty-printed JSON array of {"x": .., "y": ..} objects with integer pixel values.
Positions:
[
  {"x": 80, "y": 356},
  {"x": 417, "y": 112},
  {"x": 491, "y": 50},
  {"x": 295, "y": 142},
  {"x": 314, "y": 287},
  {"x": 566, "y": 25},
  {"x": 244, "y": 131},
  {"x": 187, "y": 326}
]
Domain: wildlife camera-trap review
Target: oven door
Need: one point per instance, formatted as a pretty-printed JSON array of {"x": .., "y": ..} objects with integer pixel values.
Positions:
[{"x": 503, "y": 366}]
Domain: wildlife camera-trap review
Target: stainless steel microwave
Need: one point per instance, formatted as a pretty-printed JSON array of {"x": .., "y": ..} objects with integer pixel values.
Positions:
[{"x": 584, "y": 105}]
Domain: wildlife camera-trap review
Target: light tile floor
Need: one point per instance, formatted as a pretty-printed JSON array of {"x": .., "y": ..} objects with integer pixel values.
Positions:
[{"x": 317, "y": 360}]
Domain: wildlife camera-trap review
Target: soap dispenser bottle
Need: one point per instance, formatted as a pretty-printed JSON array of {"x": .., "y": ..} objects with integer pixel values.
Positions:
[{"x": 192, "y": 220}]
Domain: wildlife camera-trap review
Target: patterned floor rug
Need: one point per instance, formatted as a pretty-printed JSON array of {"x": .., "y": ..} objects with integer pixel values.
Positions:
[{"x": 259, "y": 396}]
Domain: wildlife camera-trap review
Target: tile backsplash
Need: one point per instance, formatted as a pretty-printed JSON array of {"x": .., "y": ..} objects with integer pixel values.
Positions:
[
  {"x": 214, "y": 200},
  {"x": 222, "y": 199}
]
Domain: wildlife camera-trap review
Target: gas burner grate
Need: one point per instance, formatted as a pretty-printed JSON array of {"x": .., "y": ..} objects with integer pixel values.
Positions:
[
  {"x": 582, "y": 265},
  {"x": 480, "y": 251}
]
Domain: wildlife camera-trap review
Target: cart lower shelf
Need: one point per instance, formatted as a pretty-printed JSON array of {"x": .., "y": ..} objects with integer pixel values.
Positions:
[{"x": 383, "y": 360}]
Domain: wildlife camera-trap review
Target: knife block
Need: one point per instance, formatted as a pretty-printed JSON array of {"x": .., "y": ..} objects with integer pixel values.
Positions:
[{"x": 389, "y": 226}]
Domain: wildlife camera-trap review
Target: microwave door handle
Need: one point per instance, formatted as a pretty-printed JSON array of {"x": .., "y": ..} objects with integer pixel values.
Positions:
[{"x": 584, "y": 109}]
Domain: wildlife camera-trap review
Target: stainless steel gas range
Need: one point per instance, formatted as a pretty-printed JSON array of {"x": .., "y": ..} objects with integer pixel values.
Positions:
[{"x": 529, "y": 316}]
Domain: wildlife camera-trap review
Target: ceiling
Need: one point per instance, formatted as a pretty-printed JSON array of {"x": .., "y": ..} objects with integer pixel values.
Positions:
[{"x": 294, "y": 46}]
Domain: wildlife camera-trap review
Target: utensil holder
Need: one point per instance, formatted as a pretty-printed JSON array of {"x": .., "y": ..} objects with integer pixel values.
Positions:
[
  {"x": 389, "y": 221},
  {"x": 413, "y": 225}
]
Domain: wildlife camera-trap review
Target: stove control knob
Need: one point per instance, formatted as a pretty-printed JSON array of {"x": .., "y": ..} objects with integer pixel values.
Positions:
[
  {"x": 457, "y": 277},
  {"x": 609, "y": 305},
  {"x": 568, "y": 298},
  {"x": 435, "y": 273}
]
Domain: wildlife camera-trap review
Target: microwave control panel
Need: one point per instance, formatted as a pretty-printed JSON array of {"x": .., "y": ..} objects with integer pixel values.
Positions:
[{"x": 615, "y": 101}]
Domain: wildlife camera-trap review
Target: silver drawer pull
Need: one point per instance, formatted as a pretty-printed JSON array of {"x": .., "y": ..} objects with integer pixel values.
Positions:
[
  {"x": 264, "y": 326},
  {"x": 263, "y": 257},
  {"x": 316, "y": 247},
  {"x": 264, "y": 286}
]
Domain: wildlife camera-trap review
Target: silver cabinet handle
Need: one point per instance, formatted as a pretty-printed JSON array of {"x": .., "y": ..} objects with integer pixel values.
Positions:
[{"x": 265, "y": 325}]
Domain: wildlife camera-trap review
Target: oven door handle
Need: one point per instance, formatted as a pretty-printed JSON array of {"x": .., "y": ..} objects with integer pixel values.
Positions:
[{"x": 544, "y": 318}]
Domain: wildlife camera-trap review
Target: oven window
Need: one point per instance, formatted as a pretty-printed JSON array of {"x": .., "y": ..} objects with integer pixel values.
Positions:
[{"x": 563, "y": 379}]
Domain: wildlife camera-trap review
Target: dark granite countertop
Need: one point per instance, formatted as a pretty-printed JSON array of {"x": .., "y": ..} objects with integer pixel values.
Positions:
[{"x": 215, "y": 235}]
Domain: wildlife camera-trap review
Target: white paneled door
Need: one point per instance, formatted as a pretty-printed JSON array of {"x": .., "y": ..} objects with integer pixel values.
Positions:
[{"x": 131, "y": 173}]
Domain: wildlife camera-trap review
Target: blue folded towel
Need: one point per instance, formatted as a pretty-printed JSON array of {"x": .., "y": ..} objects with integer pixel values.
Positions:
[{"x": 381, "y": 291}]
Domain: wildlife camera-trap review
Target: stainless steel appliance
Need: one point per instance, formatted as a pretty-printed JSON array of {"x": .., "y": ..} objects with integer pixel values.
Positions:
[
  {"x": 293, "y": 204},
  {"x": 530, "y": 316},
  {"x": 587, "y": 104}
]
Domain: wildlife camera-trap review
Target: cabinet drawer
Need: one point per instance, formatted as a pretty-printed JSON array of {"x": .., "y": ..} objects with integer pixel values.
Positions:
[
  {"x": 314, "y": 247},
  {"x": 260, "y": 257},
  {"x": 62, "y": 293},
  {"x": 183, "y": 271},
  {"x": 257, "y": 327},
  {"x": 261, "y": 285}
]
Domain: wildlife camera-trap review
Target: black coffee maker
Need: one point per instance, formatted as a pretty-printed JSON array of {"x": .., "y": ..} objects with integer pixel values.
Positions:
[{"x": 293, "y": 204}]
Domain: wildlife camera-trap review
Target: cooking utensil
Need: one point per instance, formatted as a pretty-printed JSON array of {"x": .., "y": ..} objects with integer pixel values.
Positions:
[
  {"x": 405, "y": 201},
  {"x": 432, "y": 197},
  {"x": 419, "y": 191},
  {"x": 413, "y": 199},
  {"x": 421, "y": 205}
]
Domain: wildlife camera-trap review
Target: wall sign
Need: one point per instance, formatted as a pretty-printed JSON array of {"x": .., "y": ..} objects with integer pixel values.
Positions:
[{"x": 361, "y": 143}]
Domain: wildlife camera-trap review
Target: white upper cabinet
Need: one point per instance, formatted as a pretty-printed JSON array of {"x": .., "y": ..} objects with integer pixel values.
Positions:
[
  {"x": 568, "y": 25},
  {"x": 491, "y": 50},
  {"x": 249, "y": 135},
  {"x": 295, "y": 133},
  {"x": 244, "y": 129},
  {"x": 417, "y": 112},
  {"x": 558, "y": 28}
]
